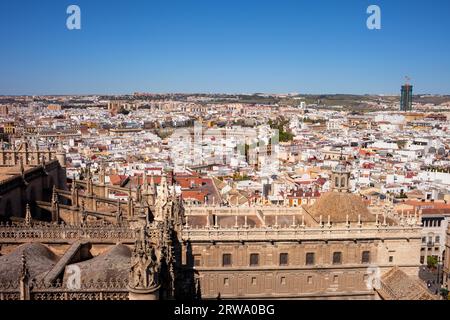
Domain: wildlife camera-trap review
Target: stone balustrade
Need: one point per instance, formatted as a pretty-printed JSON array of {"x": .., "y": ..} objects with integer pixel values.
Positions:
[
  {"x": 113, "y": 289},
  {"x": 298, "y": 233},
  {"x": 65, "y": 233}
]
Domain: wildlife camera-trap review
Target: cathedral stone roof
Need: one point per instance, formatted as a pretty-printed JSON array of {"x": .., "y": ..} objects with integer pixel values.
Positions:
[
  {"x": 113, "y": 264},
  {"x": 338, "y": 205},
  {"x": 39, "y": 260}
]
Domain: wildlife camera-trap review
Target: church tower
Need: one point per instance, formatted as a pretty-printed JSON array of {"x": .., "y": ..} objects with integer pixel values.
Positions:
[{"x": 340, "y": 178}]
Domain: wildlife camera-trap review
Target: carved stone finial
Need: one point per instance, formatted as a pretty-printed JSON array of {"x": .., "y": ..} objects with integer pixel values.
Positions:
[
  {"x": 22, "y": 169},
  {"x": 24, "y": 273},
  {"x": 144, "y": 270},
  {"x": 152, "y": 186},
  {"x": 83, "y": 214},
  {"x": 54, "y": 195},
  {"x": 119, "y": 215},
  {"x": 28, "y": 215}
]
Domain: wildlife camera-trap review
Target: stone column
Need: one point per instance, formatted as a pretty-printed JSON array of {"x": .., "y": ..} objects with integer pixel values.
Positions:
[{"x": 144, "y": 294}]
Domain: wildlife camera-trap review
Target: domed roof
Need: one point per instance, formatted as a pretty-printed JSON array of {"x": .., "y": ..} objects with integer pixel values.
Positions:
[
  {"x": 113, "y": 264},
  {"x": 39, "y": 260},
  {"x": 338, "y": 205}
]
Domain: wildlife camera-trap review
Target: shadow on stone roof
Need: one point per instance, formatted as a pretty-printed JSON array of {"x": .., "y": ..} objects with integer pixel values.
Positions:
[
  {"x": 39, "y": 260},
  {"x": 113, "y": 264}
]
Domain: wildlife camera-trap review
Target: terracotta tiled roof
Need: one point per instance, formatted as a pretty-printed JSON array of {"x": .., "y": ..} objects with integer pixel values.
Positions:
[
  {"x": 338, "y": 205},
  {"x": 397, "y": 285}
]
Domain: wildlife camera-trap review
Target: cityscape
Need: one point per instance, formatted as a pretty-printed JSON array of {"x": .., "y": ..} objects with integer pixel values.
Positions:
[{"x": 224, "y": 196}]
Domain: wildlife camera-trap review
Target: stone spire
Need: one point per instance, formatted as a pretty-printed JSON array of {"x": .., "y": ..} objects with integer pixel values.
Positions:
[
  {"x": 164, "y": 186},
  {"x": 28, "y": 215},
  {"x": 119, "y": 214},
  {"x": 145, "y": 184},
  {"x": 54, "y": 195},
  {"x": 24, "y": 274},
  {"x": 24, "y": 279},
  {"x": 22, "y": 169},
  {"x": 74, "y": 193},
  {"x": 55, "y": 206},
  {"x": 83, "y": 214},
  {"x": 102, "y": 174},
  {"x": 90, "y": 186},
  {"x": 152, "y": 190},
  {"x": 144, "y": 271}
]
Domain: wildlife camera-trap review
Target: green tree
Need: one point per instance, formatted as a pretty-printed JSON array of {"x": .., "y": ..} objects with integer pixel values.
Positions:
[{"x": 432, "y": 262}]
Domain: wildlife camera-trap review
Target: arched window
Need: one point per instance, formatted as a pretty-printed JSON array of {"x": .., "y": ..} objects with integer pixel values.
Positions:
[
  {"x": 342, "y": 182},
  {"x": 336, "y": 182}
]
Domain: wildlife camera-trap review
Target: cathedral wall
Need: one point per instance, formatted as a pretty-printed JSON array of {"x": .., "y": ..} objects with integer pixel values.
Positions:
[
  {"x": 11, "y": 203},
  {"x": 15, "y": 194},
  {"x": 272, "y": 277},
  {"x": 273, "y": 284},
  {"x": 339, "y": 268}
]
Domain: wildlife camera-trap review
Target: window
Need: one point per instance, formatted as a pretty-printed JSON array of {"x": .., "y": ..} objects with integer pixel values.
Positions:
[
  {"x": 226, "y": 259},
  {"x": 254, "y": 281},
  {"x": 226, "y": 282},
  {"x": 366, "y": 257},
  {"x": 284, "y": 259},
  {"x": 309, "y": 279},
  {"x": 197, "y": 260},
  {"x": 391, "y": 259},
  {"x": 310, "y": 258},
  {"x": 335, "y": 279},
  {"x": 438, "y": 239},
  {"x": 337, "y": 257},
  {"x": 283, "y": 280},
  {"x": 424, "y": 239},
  {"x": 254, "y": 259},
  {"x": 343, "y": 182}
]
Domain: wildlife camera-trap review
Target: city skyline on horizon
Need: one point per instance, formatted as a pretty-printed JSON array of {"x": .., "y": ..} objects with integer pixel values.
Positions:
[
  {"x": 293, "y": 94},
  {"x": 223, "y": 48}
]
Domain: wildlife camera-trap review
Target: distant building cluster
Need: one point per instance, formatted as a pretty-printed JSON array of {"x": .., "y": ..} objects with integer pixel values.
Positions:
[{"x": 206, "y": 196}]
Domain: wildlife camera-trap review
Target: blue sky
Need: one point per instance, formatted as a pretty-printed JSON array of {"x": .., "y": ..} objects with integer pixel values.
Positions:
[{"x": 233, "y": 46}]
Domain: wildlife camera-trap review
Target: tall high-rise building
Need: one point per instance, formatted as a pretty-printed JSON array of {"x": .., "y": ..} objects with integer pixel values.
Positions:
[{"x": 406, "y": 98}]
